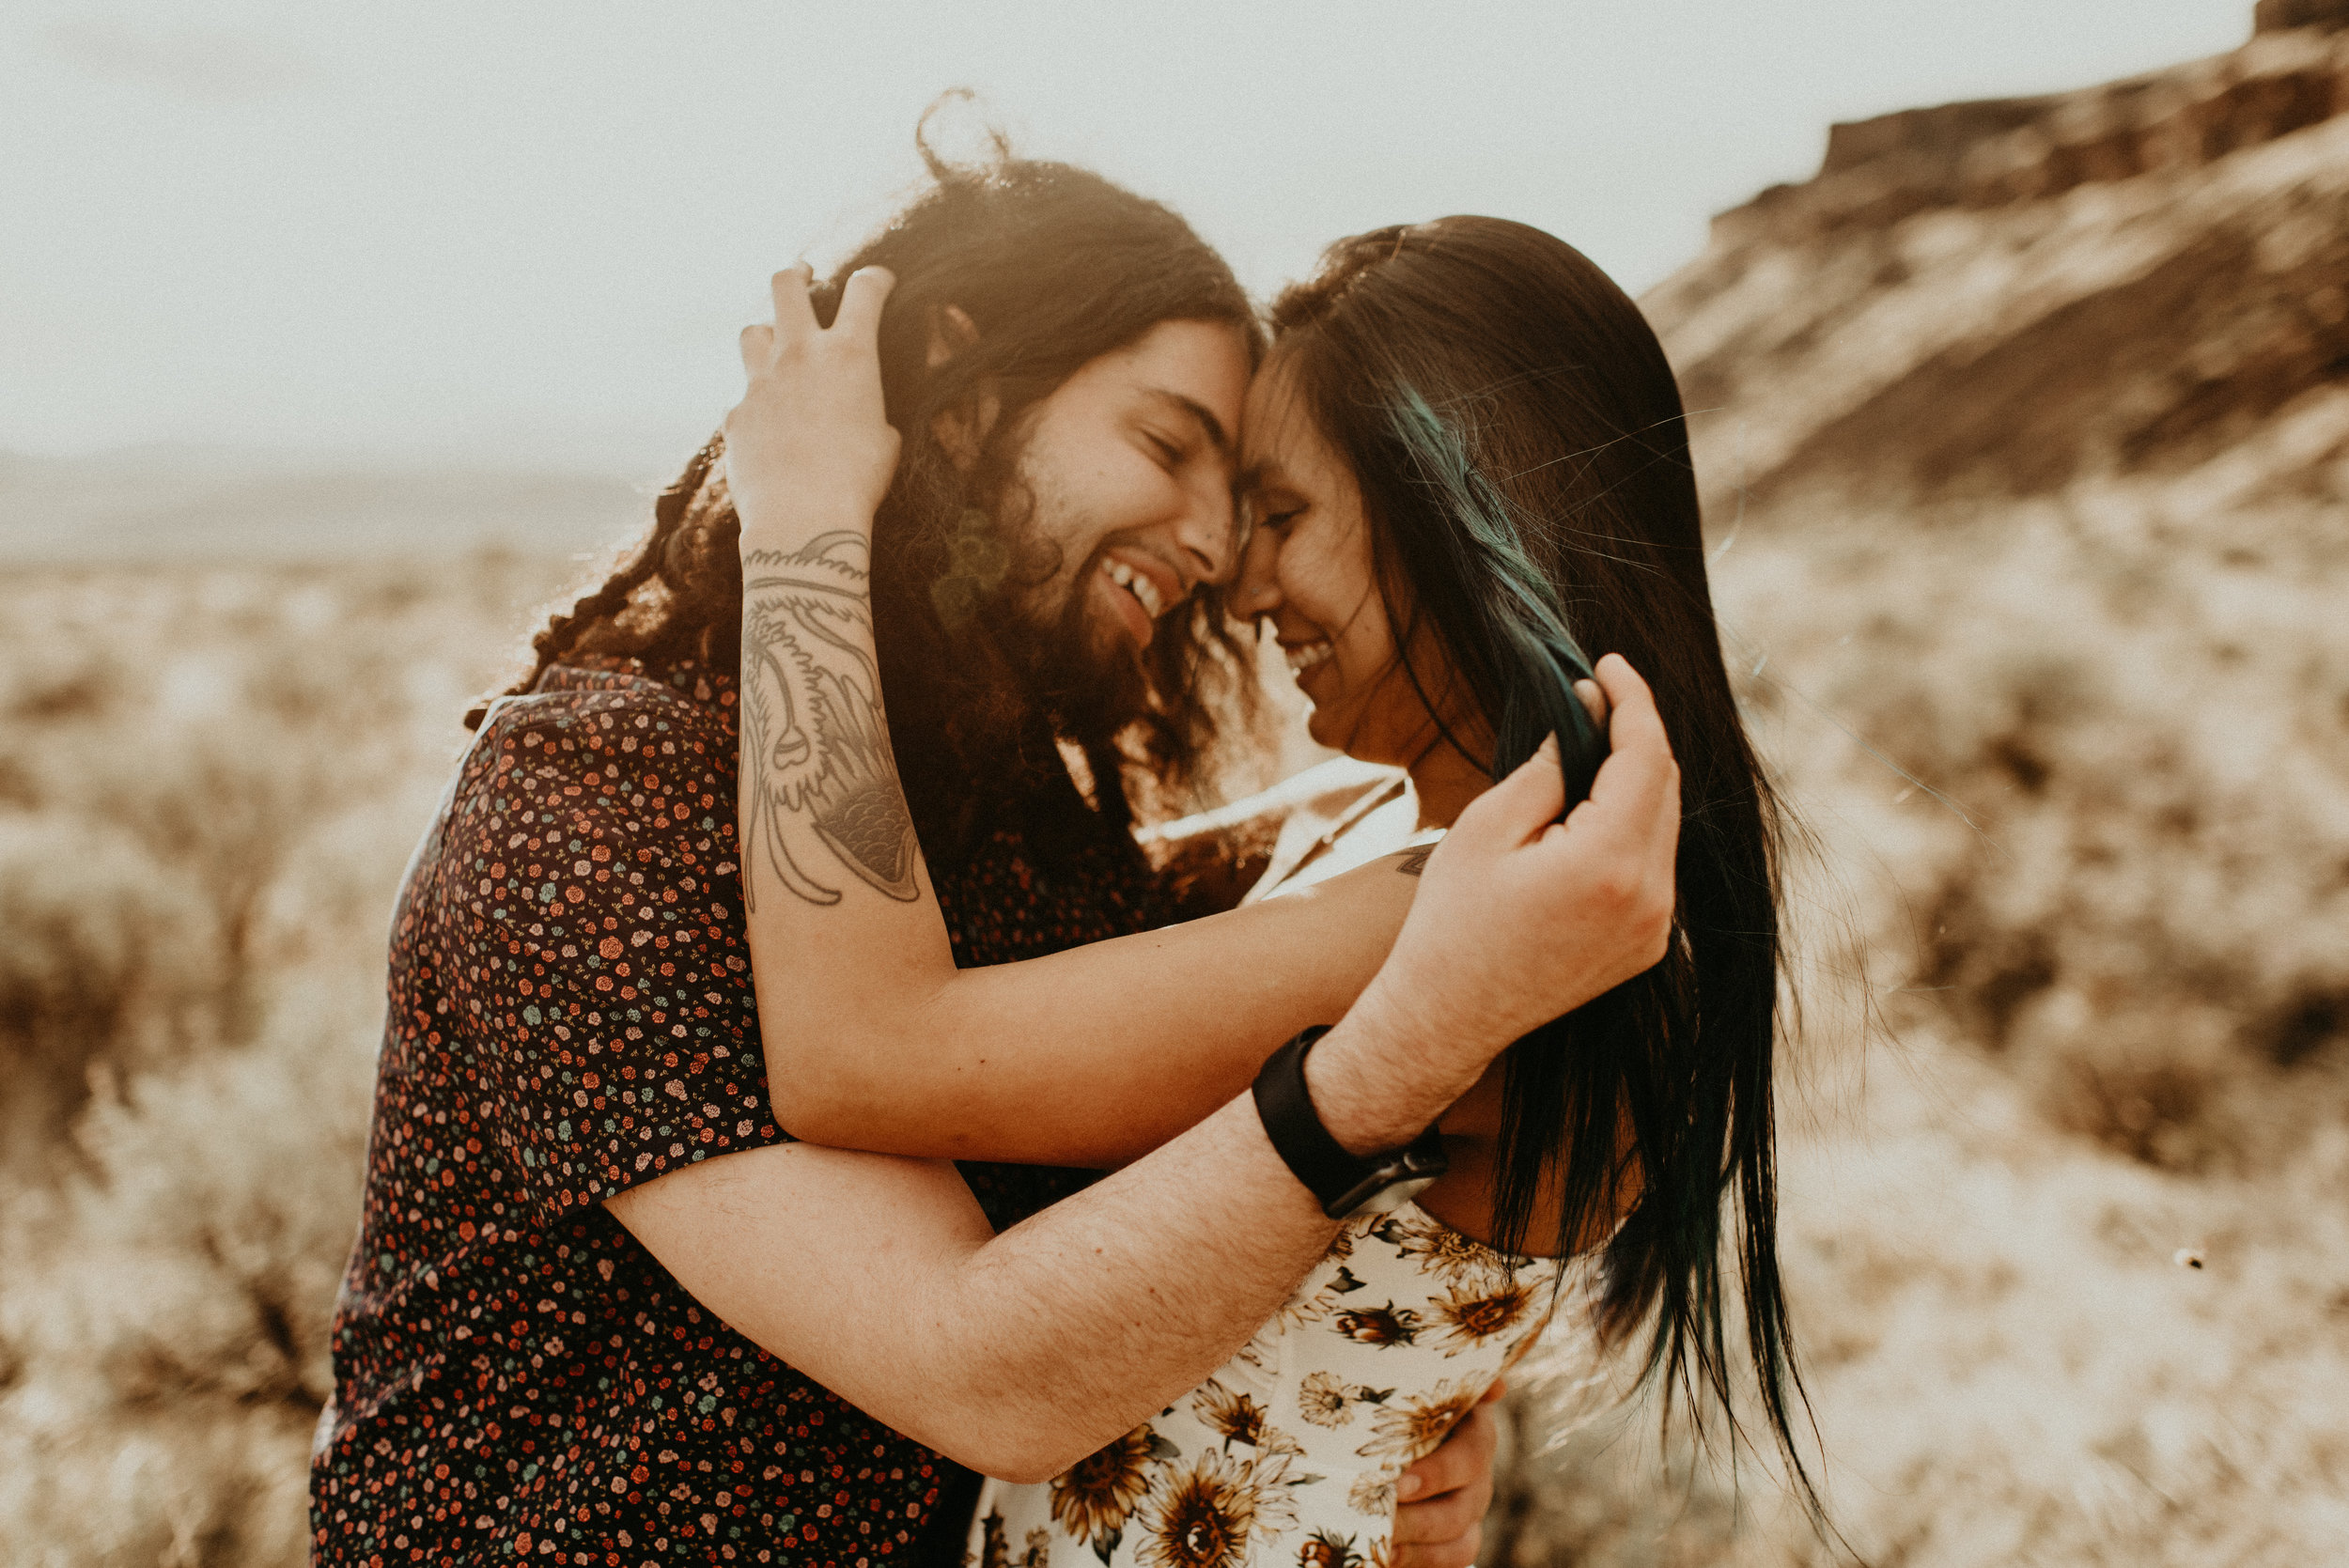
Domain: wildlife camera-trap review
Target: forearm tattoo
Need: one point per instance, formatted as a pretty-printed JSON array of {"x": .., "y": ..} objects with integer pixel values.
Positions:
[{"x": 819, "y": 784}]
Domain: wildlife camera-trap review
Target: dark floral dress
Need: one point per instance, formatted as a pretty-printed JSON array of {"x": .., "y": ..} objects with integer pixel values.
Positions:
[{"x": 570, "y": 1013}]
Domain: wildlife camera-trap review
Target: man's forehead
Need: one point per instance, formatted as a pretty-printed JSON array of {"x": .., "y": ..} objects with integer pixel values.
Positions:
[{"x": 1210, "y": 424}]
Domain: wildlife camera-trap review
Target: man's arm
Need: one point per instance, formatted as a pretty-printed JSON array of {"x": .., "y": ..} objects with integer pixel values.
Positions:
[
  {"x": 874, "y": 1039},
  {"x": 1016, "y": 1354},
  {"x": 1090, "y": 1057},
  {"x": 1021, "y": 1353}
]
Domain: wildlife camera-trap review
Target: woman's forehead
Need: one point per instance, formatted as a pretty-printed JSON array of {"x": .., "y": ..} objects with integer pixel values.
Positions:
[{"x": 1279, "y": 442}]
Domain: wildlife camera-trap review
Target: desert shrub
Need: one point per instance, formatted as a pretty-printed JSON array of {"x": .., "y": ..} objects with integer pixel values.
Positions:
[
  {"x": 210, "y": 781},
  {"x": 2099, "y": 801},
  {"x": 2009, "y": 1359},
  {"x": 104, "y": 953},
  {"x": 166, "y": 1312}
]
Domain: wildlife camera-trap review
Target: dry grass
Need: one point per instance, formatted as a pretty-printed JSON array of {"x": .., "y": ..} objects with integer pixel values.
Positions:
[
  {"x": 2109, "y": 1017},
  {"x": 2082, "y": 776},
  {"x": 209, "y": 782}
]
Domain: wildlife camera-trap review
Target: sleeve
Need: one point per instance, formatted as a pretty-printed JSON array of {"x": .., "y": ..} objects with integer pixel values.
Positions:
[{"x": 590, "y": 851}]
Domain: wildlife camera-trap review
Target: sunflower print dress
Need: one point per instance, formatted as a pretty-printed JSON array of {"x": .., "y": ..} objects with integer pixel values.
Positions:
[{"x": 1289, "y": 1456}]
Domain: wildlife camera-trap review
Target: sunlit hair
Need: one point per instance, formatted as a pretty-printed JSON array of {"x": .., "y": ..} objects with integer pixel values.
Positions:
[
  {"x": 1053, "y": 266},
  {"x": 1518, "y": 441}
]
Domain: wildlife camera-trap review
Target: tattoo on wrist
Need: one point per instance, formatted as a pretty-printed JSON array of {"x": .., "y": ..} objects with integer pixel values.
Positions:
[
  {"x": 1414, "y": 860},
  {"x": 818, "y": 781}
]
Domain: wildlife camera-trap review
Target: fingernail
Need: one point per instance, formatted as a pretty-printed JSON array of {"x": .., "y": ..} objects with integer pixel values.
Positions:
[{"x": 1408, "y": 1487}]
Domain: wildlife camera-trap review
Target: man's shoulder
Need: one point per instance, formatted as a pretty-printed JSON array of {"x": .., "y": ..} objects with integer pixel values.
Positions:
[
  {"x": 637, "y": 755},
  {"x": 568, "y": 696}
]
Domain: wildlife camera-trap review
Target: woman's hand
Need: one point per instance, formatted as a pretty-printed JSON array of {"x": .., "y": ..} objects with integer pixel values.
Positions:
[
  {"x": 810, "y": 448},
  {"x": 1521, "y": 917},
  {"x": 1443, "y": 1498}
]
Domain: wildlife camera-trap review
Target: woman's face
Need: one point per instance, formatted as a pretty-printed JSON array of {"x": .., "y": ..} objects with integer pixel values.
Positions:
[{"x": 1307, "y": 570}]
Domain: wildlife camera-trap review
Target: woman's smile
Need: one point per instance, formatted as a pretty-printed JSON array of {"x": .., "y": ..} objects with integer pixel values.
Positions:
[
  {"x": 1308, "y": 573},
  {"x": 1305, "y": 658}
]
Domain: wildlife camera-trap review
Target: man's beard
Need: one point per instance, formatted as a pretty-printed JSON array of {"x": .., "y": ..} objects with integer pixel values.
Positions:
[{"x": 1088, "y": 680}]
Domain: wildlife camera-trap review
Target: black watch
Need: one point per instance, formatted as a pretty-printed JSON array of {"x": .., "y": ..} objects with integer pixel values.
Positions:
[{"x": 1346, "y": 1184}]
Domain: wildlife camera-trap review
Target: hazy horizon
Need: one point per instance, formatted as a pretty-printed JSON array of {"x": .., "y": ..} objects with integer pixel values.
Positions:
[{"x": 525, "y": 239}]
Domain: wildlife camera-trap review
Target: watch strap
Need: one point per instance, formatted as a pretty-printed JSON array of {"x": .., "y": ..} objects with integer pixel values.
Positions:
[{"x": 1342, "y": 1182}]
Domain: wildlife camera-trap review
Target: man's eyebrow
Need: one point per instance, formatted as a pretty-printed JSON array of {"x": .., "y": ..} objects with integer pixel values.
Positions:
[{"x": 1202, "y": 414}]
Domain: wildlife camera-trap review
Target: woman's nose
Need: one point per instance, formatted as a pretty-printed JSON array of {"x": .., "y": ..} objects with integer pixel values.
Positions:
[{"x": 1257, "y": 591}]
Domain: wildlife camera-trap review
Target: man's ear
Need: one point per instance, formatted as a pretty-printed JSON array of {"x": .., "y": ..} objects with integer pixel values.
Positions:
[
  {"x": 961, "y": 430},
  {"x": 952, "y": 330}
]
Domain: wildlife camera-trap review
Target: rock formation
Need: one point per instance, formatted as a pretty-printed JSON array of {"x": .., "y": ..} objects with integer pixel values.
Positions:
[
  {"x": 2032, "y": 416},
  {"x": 2003, "y": 299}
]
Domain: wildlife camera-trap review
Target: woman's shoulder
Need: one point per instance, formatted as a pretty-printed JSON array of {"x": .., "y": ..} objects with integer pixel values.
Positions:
[
  {"x": 1323, "y": 791},
  {"x": 1330, "y": 791},
  {"x": 1346, "y": 816}
]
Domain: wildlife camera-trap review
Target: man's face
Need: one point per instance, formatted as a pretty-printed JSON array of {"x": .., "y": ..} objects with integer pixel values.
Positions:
[{"x": 1129, "y": 467}]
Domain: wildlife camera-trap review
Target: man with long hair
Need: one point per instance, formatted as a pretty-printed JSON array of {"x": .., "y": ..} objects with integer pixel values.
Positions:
[{"x": 603, "y": 1308}]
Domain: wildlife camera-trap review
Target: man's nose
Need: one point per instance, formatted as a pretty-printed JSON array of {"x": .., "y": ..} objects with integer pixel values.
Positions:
[
  {"x": 1256, "y": 591},
  {"x": 1209, "y": 537}
]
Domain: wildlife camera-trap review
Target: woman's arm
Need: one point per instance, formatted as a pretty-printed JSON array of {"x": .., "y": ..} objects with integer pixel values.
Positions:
[{"x": 875, "y": 1040}]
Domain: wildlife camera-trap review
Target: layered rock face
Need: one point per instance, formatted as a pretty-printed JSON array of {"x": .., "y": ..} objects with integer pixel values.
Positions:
[
  {"x": 2001, "y": 298},
  {"x": 2027, "y": 424},
  {"x": 2025, "y": 444}
]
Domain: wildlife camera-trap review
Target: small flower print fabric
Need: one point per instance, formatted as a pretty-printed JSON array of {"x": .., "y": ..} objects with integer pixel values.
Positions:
[
  {"x": 1289, "y": 1456},
  {"x": 516, "y": 1378}
]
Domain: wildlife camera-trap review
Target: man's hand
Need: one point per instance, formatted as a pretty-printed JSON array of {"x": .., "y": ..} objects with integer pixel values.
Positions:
[
  {"x": 810, "y": 444},
  {"x": 1440, "y": 1522},
  {"x": 1520, "y": 918}
]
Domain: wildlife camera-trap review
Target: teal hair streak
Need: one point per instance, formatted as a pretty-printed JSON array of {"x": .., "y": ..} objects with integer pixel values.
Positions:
[{"x": 1525, "y": 618}]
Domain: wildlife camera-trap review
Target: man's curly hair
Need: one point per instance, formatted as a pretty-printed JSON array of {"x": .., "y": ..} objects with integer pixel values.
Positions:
[{"x": 1053, "y": 266}]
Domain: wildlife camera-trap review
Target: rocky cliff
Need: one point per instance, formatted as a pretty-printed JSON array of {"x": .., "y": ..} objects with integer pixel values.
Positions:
[
  {"x": 2011, "y": 298},
  {"x": 2027, "y": 458},
  {"x": 2028, "y": 422}
]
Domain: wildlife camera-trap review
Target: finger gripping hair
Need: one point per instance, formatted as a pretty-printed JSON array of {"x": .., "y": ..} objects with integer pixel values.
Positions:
[{"x": 1524, "y": 614}]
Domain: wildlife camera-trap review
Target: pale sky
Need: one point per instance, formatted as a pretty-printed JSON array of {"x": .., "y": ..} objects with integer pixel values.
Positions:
[{"x": 526, "y": 232}]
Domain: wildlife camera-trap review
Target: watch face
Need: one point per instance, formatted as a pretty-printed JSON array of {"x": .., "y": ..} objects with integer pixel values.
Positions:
[
  {"x": 1395, "y": 1180},
  {"x": 1394, "y": 1194}
]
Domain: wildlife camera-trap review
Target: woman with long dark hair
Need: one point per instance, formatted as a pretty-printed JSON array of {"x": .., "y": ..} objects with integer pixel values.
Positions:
[
  {"x": 1469, "y": 475},
  {"x": 1469, "y": 468}
]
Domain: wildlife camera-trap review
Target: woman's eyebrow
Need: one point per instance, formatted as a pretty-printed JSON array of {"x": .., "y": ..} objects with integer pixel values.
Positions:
[
  {"x": 1200, "y": 415},
  {"x": 1262, "y": 476}
]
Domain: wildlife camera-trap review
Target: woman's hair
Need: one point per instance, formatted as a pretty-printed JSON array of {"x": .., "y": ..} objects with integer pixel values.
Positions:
[
  {"x": 1524, "y": 468},
  {"x": 1025, "y": 270}
]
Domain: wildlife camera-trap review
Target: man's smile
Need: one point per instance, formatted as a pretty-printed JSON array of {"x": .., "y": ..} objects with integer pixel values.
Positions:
[{"x": 1140, "y": 588}]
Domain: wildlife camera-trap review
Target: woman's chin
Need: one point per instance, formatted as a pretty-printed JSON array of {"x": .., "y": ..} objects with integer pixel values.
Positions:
[{"x": 1329, "y": 730}]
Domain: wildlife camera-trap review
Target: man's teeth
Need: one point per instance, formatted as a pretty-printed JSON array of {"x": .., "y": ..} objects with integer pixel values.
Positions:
[
  {"x": 1139, "y": 584},
  {"x": 1304, "y": 658}
]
